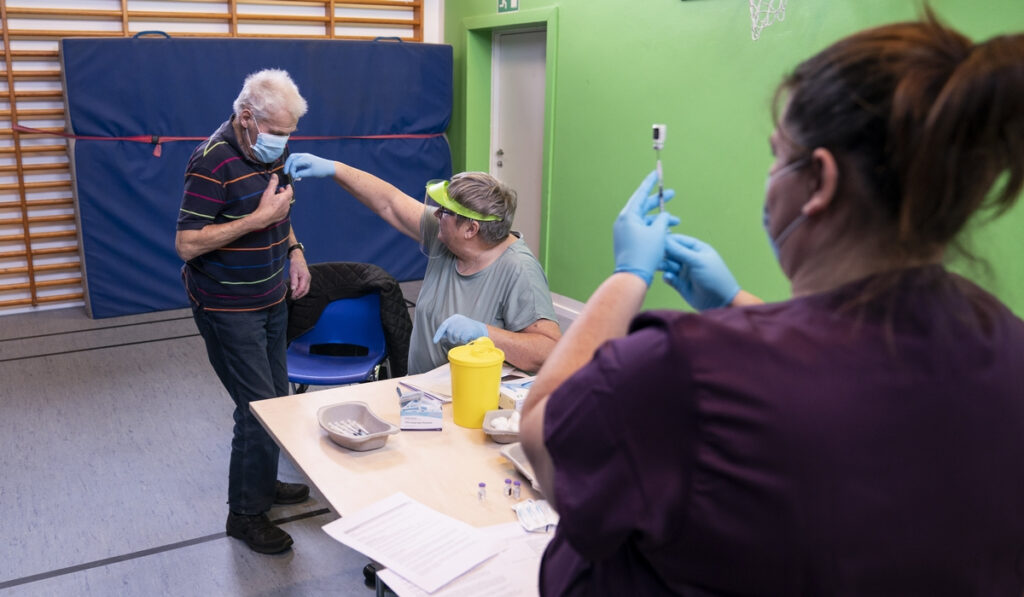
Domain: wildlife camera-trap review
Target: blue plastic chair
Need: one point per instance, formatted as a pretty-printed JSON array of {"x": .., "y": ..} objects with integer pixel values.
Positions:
[{"x": 345, "y": 346}]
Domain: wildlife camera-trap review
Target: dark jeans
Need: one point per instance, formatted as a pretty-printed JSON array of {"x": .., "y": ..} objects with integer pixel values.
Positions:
[{"x": 247, "y": 350}]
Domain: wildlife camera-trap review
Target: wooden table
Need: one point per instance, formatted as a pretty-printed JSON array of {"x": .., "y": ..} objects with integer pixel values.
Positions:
[{"x": 438, "y": 468}]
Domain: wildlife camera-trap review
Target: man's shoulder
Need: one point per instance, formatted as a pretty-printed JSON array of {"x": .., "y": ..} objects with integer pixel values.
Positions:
[{"x": 213, "y": 151}]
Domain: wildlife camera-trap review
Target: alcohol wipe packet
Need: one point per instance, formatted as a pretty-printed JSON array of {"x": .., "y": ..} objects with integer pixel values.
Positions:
[{"x": 535, "y": 515}]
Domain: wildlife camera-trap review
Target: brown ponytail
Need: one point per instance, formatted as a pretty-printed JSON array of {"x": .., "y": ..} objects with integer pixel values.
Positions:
[{"x": 930, "y": 120}]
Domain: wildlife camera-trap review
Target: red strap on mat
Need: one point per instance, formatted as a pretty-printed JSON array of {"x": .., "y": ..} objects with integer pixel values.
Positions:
[{"x": 157, "y": 140}]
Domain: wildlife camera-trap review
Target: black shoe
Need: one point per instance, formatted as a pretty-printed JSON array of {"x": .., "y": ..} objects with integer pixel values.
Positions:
[
  {"x": 258, "y": 532},
  {"x": 290, "y": 493}
]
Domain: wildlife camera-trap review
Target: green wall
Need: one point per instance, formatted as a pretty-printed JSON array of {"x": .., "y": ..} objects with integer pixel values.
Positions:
[{"x": 617, "y": 66}]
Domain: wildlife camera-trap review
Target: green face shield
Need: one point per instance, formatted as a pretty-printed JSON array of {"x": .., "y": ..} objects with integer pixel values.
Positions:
[
  {"x": 438, "y": 191},
  {"x": 436, "y": 198}
]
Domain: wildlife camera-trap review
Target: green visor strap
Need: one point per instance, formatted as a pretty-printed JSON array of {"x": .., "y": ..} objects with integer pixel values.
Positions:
[{"x": 438, "y": 191}]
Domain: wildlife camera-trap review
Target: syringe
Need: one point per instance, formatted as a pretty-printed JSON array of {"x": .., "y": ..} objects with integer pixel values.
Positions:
[{"x": 658, "y": 135}]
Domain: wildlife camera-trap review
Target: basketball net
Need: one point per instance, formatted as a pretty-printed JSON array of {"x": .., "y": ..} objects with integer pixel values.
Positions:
[{"x": 764, "y": 13}]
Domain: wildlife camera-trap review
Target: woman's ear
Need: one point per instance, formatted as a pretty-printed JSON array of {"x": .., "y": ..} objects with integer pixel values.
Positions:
[{"x": 825, "y": 181}]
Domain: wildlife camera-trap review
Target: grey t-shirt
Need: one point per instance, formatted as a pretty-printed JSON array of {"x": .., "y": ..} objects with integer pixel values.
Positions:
[{"x": 510, "y": 293}]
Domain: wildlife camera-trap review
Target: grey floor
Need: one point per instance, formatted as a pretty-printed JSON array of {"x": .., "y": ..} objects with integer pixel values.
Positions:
[{"x": 113, "y": 468}]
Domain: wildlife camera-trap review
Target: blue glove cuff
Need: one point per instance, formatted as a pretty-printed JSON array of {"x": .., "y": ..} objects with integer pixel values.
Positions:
[
  {"x": 726, "y": 299},
  {"x": 731, "y": 295}
]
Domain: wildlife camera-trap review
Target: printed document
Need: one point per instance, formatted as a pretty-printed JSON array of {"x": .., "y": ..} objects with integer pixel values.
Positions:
[
  {"x": 424, "y": 546},
  {"x": 512, "y": 573}
]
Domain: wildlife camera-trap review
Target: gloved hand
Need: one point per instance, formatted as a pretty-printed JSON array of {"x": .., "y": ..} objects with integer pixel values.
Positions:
[
  {"x": 459, "y": 330},
  {"x": 307, "y": 165},
  {"x": 639, "y": 238},
  {"x": 698, "y": 273}
]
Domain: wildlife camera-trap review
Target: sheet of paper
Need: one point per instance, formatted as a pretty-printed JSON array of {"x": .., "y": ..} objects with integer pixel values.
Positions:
[
  {"x": 512, "y": 573},
  {"x": 438, "y": 382},
  {"x": 426, "y": 547}
]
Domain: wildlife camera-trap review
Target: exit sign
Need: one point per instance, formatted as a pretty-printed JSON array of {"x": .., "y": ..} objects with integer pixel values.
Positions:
[{"x": 508, "y": 5}]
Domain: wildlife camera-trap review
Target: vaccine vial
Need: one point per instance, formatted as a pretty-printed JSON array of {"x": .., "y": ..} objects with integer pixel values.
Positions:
[
  {"x": 508, "y": 487},
  {"x": 481, "y": 491},
  {"x": 516, "y": 489}
]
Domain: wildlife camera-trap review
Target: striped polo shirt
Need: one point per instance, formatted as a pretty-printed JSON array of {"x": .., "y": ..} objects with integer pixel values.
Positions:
[{"x": 222, "y": 185}]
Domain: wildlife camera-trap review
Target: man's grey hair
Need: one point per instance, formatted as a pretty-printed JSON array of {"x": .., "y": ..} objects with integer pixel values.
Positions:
[
  {"x": 487, "y": 195},
  {"x": 269, "y": 91}
]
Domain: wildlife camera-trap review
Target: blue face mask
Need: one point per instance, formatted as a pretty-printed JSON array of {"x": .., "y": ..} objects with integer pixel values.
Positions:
[
  {"x": 776, "y": 242},
  {"x": 267, "y": 147}
]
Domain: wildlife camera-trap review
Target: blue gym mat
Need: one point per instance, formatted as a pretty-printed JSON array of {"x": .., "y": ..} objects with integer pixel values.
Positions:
[{"x": 127, "y": 198}]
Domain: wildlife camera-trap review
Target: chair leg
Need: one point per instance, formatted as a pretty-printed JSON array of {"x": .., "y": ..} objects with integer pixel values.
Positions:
[
  {"x": 298, "y": 388},
  {"x": 372, "y": 580}
]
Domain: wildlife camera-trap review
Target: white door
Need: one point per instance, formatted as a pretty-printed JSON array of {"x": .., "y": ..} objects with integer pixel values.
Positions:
[{"x": 517, "y": 123}]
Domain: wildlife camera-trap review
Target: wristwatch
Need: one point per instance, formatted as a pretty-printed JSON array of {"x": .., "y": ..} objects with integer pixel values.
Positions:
[{"x": 298, "y": 246}]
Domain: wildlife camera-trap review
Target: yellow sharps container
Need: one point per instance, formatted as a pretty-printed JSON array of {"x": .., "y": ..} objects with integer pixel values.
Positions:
[{"x": 476, "y": 377}]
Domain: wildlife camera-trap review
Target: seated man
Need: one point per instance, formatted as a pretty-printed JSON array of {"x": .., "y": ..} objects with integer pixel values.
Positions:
[{"x": 481, "y": 279}]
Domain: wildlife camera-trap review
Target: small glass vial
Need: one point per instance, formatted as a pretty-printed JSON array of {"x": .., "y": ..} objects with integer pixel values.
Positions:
[
  {"x": 508, "y": 487},
  {"x": 516, "y": 489},
  {"x": 481, "y": 491}
]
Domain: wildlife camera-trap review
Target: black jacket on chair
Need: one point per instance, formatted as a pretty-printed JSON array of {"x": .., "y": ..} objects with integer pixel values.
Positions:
[{"x": 345, "y": 279}]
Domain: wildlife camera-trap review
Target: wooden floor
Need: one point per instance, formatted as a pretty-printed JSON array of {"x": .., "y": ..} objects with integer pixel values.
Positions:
[{"x": 115, "y": 442}]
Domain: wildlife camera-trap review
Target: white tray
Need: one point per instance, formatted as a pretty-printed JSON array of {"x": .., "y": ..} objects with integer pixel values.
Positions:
[
  {"x": 378, "y": 429},
  {"x": 500, "y": 436},
  {"x": 514, "y": 453}
]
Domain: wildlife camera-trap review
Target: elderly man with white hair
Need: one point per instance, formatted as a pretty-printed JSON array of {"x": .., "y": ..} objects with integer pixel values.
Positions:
[{"x": 241, "y": 258}]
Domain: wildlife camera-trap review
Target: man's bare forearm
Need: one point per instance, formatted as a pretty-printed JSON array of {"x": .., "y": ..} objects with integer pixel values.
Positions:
[{"x": 193, "y": 243}]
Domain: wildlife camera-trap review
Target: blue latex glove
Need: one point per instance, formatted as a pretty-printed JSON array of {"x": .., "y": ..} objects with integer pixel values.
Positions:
[
  {"x": 307, "y": 165},
  {"x": 459, "y": 330},
  {"x": 698, "y": 273},
  {"x": 640, "y": 239}
]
